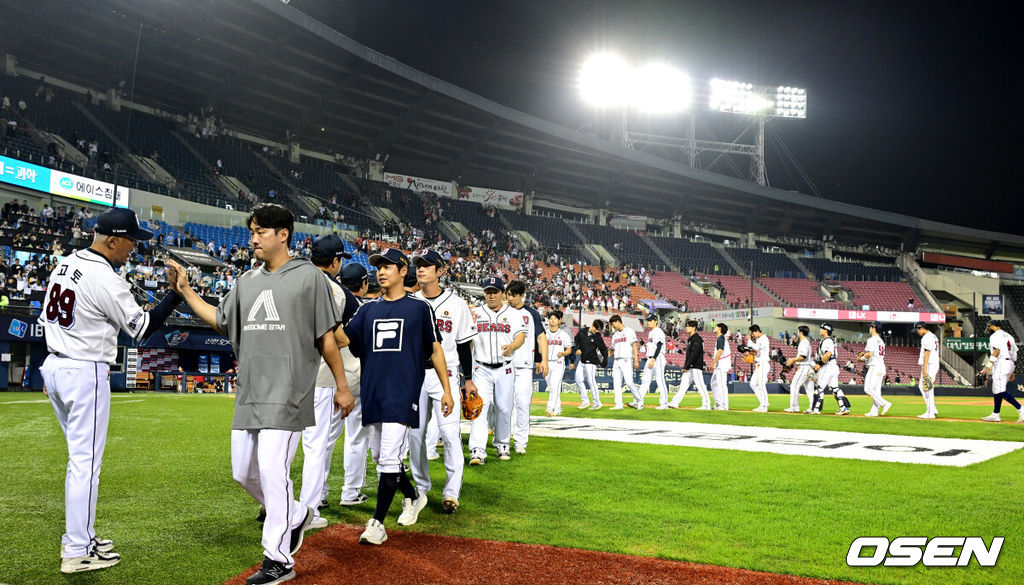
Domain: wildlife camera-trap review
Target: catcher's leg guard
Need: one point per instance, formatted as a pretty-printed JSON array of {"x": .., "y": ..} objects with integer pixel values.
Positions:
[
  {"x": 841, "y": 397},
  {"x": 819, "y": 400}
]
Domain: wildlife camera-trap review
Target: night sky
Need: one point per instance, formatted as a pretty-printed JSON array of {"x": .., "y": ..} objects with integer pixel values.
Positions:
[{"x": 912, "y": 106}]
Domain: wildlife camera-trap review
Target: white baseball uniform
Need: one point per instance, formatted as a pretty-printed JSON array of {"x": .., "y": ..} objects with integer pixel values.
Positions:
[
  {"x": 523, "y": 368},
  {"x": 558, "y": 342},
  {"x": 929, "y": 343},
  {"x": 828, "y": 374},
  {"x": 655, "y": 345},
  {"x": 762, "y": 365},
  {"x": 622, "y": 368},
  {"x": 800, "y": 380},
  {"x": 1003, "y": 364},
  {"x": 876, "y": 371},
  {"x": 456, "y": 325},
  {"x": 86, "y": 304},
  {"x": 493, "y": 376},
  {"x": 720, "y": 375}
]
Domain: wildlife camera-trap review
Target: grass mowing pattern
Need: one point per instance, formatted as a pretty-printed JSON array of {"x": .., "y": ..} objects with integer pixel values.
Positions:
[{"x": 168, "y": 500}]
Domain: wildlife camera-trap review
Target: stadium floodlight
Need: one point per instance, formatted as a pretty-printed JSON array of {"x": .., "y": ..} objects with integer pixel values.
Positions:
[
  {"x": 790, "y": 102},
  {"x": 605, "y": 80},
  {"x": 661, "y": 89},
  {"x": 737, "y": 97}
]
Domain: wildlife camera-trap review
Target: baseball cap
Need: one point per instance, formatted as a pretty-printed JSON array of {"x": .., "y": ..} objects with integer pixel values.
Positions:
[
  {"x": 919, "y": 325},
  {"x": 494, "y": 282},
  {"x": 428, "y": 258},
  {"x": 389, "y": 256},
  {"x": 353, "y": 274},
  {"x": 652, "y": 317},
  {"x": 827, "y": 327},
  {"x": 372, "y": 284},
  {"x": 123, "y": 222},
  {"x": 330, "y": 246},
  {"x": 410, "y": 279},
  {"x": 876, "y": 324}
]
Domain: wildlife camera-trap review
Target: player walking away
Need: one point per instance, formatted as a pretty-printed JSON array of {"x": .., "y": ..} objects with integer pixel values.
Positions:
[
  {"x": 761, "y": 346},
  {"x": 455, "y": 323},
  {"x": 357, "y": 444},
  {"x": 559, "y": 346},
  {"x": 534, "y": 350},
  {"x": 1001, "y": 363},
  {"x": 500, "y": 332},
  {"x": 803, "y": 363},
  {"x": 874, "y": 356},
  {"x": 273, "y": 315},
  {"x": 394, "y": 337},
  {"x": 625, "y": 351},
  {"x": 87, "y": 303},
  {"x": 592, "y": 351},
  {"x": 693, "y": 369},
  {"x": 720, "y": 366},
  {"x": 318, "y": 440},
  {"x": 929, "y": 362},
  {"x": 654, "y": 368},
  {"x": 827, "y": 369}
]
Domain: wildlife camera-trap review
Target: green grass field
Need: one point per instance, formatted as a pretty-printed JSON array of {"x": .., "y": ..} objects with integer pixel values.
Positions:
[{"x": 168, "y": 500}]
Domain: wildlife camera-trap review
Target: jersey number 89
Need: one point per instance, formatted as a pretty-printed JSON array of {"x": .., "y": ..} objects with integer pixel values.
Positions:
[{"x": 60, "y": 306}]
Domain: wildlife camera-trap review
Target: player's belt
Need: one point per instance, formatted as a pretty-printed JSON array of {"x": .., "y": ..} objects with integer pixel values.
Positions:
[{"x": 494, "y": 366}]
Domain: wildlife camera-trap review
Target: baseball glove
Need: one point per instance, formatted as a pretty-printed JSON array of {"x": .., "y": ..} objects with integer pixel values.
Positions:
[
  {"x": 928, "y": 383},
  {"x": 472, "y": 404},
  {"x": 749, "y": 358}
]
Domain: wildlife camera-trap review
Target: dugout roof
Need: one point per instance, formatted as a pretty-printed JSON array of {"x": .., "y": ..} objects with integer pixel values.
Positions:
[{"x": 269, "y": 68}]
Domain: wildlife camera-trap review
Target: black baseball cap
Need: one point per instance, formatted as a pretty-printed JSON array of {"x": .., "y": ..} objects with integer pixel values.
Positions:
[
  {"x": 353, "y": 274},
  {"x": 122, "y": 222},
  {"x": 372, "y": 284},
  {"x": 652, "y": 317},
  {"x": 428, "y": 258},
  {"x": 330, "y": 246},
  {"x": 494, "y": 282},
  {"x": 876, "y": 324},
  {"x": 920, "y": 325},
  {"x": 390, "y": 256},
  {"x": 827, "y": 327},
  {"x": 410, "y": 279}
]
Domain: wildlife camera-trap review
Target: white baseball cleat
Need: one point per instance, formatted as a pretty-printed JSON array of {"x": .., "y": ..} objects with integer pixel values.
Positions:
[
  {"x": 871, "y": 412},
  {"x": 520, "y": 449},
  {"x": 1020, "y": 418},
  {"x": 885, "y": 408},
  {"x": 359, "y": 499},
  {"x": 926, "y": 415},
  {"x": 90, "y": 562},
  {"x": 374, "y": 533},
  {"x": 791, "y": 409},
  {"x": 662, "y": 407},
  {"x": 596, "y": 407},
  {"x": 761, "y": 409},
  {"x": 615, "y": 408},
  {"x": 476, "y": 458},
  {"x": 433, "y": 456},
  {"x": 411, "y": 509},
  {"x": 449, "y": 505},
  {"x": 994, "y": 417},
  {"x": 584, "y": 406},
  {"x": 317, "y": 523}
]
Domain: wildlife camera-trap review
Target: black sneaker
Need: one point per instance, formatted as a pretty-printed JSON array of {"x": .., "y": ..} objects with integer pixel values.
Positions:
[
  {"x": 271, "y": 572},
  {"x": 300, "y": 530}
]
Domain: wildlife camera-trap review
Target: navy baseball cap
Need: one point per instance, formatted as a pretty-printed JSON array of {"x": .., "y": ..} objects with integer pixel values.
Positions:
[
  {"x": 652, "y": 317},
  {"x": 330, "y": 246},
  {"x": 876, "y": 324},
  {"x": 372, "y": 284},
  {"x": 494, "y": 282},
  {"x": 428, "y": 258},
  {"x": 920, "y": 324},
  {"x": 123, "y": 222},
  {"x": 353, "y": 274},
  {"x": 827, "y": 327},
  {"x": 410, "y": 279},
  {"x": 390, "y": 256}
]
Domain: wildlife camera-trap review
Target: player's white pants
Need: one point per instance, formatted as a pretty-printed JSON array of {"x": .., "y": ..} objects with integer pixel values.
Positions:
[
  {"x": 388, "y": 441},
  {"x": 316, "y": 443},
  {"x": 720, "y": 385},
  {"x": 495, "y": 388},
  {"x": 873, "y": 386},
  {"x": 261, "y": 463},
  {"x": 929, "y": 395},
  {"x": 759, "y": 384},
  {"x": 586, "y": 374},
  {"x": 522, "y": 396},
  {"x": 80, "y": 394},
  {"x": 433, "y": 434},
  {"x": 357, "y": 444},
  {"x": 696, "y": 375},
  {"x": 622, "y": 372},
  {"x": 554, "y": 381},
  {"x": 1001, "y": 375},
  {"x": 448, "y": 426},
  {"x": 657, "y": 373},
  {"x": 800, "y": 382}
]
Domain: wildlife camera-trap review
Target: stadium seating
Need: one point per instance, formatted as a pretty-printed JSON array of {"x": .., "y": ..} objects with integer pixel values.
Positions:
[
  {"x": 824, "y": 269},
  {"x": 766, "y": 264},
  {"x": 552, "y": 233},
  {"x": 797, "y": 292},
  {"x": 883, "y": 296},
  {"x": 693, "y": 257},
  {"x": 675, "y": 287},
  {"x": 737, "y": 289},
  {"x": 473, "y": 216},
  {"x": 628, "y": 247}
]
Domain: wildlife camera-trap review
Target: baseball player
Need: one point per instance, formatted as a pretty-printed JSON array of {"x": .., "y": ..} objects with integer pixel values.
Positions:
[
  {"x": 827, "y": 370},
  {"x": 394, "y": 337},
  {"x": 86, "y": 304},
  {"x": 357, "y": 444},
  {"x": 759, "y": 379},
  {"x": 559, "y": 346},
  {"x": 318, "y": 440},
  {"x": 693, "y": 368},
  {"x": 500, "y": 332},
  {"x": 523, "y": 363},
  {"x": 721, "y": 363},
  {"x": 625, "y": 351},
  {"x": 874, "y": 357},
  {"x": 457, "y": 332},
  {"x": 592, "y": 352},
  {"x": 655, "y": 364},
  {"x": 1002, "y": 358},
  {"x": 803, "y": 363},
  {"x": 274, "y": 315},
  {"x": 929, "y": 362}
]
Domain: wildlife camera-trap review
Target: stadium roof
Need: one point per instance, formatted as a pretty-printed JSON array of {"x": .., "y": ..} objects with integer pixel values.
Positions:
[{"x": 269, "y": 68}]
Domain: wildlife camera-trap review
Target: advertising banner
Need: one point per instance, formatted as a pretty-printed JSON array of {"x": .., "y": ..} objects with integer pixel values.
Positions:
[
  {"x": 845, "y": 315},
  {"x": 419, "y": 184},
  {"x": 14, "y": 329},
  {"x": 30, "y": 176},
  {"x": 492, "y": 197},
  {"x": 991, "y": 304},
  {"x": 967, "y": 344}
]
